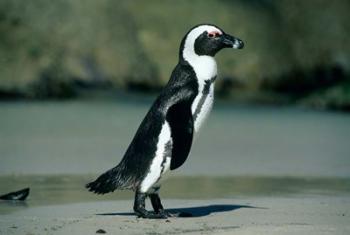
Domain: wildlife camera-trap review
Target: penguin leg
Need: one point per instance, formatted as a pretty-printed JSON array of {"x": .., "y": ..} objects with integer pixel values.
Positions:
[
  {"x": 157, "y": 204},
  {"x": 140, "y": 208}
]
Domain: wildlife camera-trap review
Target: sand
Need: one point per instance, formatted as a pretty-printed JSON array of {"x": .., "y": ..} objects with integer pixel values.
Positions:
[{"x": 310, "y": 214}]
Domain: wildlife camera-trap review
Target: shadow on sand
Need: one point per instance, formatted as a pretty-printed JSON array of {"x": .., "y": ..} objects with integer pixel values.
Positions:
[{"x": 197, "y": 211}]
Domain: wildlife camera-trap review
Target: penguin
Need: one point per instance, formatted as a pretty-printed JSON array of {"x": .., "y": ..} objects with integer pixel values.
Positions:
[{"x": 164, "y": 138}]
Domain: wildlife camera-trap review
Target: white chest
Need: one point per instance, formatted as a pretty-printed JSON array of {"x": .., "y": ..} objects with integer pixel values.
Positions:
[{"x": 206, "y": 69}]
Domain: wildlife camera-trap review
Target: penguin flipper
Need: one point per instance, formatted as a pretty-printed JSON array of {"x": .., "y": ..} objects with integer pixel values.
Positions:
[{"x": 180, "y": 119}]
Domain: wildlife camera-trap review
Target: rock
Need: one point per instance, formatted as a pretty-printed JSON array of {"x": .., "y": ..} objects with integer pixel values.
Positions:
[
  {"x": 17, "y": 195},
  {"x": 100, "y": 231}
]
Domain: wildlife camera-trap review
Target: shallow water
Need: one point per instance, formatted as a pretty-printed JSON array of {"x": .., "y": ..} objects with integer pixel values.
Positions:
[
  {"x": 90, "y": 136},
  {"x": 64, "y": 189}
]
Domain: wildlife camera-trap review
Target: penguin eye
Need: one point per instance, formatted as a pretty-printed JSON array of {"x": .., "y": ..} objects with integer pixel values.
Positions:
[{"x": 213, "y": 34}]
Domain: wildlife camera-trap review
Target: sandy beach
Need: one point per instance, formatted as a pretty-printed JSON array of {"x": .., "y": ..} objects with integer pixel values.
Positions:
[
  {"x": 230, "y": 205},
  {"x": 256, "y": 215}
]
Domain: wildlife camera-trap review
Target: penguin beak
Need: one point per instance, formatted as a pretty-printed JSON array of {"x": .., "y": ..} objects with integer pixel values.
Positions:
[{"x": 231, "y": 41}]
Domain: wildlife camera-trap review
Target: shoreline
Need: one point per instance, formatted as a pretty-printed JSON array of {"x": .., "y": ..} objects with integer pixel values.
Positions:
[{"x": 64, "y": 189}]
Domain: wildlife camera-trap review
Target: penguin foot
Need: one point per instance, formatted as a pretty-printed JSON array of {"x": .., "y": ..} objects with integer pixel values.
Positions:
[
  {"x": 162, "y": 214},
  {"x": 150, "y": 214},
  {"x": 140, "y": 209}
]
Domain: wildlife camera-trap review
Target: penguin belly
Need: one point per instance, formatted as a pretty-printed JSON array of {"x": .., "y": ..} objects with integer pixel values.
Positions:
[{"x": 161, "y": 162}]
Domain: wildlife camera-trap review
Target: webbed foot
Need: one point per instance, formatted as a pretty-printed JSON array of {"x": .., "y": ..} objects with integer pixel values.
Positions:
[{"x": 140, "y": 210}]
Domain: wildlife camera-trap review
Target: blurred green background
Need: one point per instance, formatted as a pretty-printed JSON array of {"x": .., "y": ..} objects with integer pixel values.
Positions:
[{"x": 297, "y": 52}]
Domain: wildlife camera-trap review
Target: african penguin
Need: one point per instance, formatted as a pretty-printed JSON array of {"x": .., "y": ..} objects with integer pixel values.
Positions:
[{"x": 164, "y": 138}]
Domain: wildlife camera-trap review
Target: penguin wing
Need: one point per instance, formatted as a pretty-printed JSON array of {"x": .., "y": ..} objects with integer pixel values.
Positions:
[
  {"x": 182, "y": 90},
  {"x": 180, "y": 120}
]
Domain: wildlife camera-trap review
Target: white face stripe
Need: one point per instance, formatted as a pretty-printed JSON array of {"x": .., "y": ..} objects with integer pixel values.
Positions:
[
  {"x": 193, "y": 35},
  {"x": 204, "y": 66}
]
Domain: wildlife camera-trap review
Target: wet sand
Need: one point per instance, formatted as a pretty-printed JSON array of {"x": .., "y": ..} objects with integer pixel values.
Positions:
[
  {"x": 220, "y": 205},
  {"x": 253, "y": 215}
]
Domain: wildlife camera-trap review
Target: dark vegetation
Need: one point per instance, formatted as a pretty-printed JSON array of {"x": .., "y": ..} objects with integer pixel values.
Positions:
[{"x": 297, "y": 52}]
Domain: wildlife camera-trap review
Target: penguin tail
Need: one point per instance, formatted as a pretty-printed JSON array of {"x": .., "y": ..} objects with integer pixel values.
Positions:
[{"x": 115, "y": 178}]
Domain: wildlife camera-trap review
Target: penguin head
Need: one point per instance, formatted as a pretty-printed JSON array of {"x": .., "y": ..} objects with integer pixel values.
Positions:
[{"x": 207, "y": 40}]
